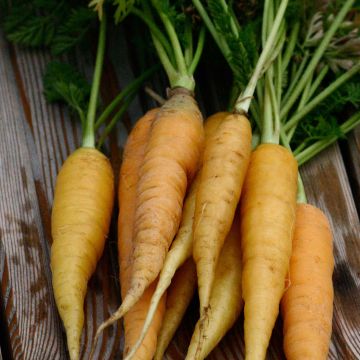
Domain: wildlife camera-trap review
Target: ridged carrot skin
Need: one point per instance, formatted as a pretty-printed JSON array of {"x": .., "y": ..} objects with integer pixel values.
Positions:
[
  {"x": 307, "y": 305},
  {"x": 181, "y": 247},
  {"x": 268, "y": 207},
  {"x": 84, "y": 196},
  {"x": 171, "y": 159},
  {"x": 226, "y": 158},
  {"x": 226, "y": 298},
  {"x": 129, "y": 176},
  {"x": 179, "y": 295}
]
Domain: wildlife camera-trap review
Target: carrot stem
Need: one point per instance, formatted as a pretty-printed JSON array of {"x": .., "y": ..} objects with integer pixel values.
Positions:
[
  {"x": 290, "y": 47},
  {"x": 115, "y": 119},
  {"x": 293, "y": 121},
  {"x": 174, "y": 40},
  {"x": 89, "y": 131},
  {"x": 220, "y": 41},
  {"x": 198, "y": 51},
  {"x": 311, "y": 151},
  {"x": 155, "y": 30},
  {"x": 316, "y": 57},
  {"x": 128, "y": 90},
  {"x": 244, "y": 100}
]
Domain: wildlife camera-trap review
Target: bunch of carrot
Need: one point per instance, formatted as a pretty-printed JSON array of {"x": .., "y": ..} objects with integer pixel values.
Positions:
[
  {"x": 248, "y": 257},
  {"x": 198, "y": 206}
]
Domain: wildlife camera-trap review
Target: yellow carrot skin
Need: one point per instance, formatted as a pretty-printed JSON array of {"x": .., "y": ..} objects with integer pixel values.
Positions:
[
  {"x": 226, "y": 298},
  {"x": 307, "y": 305},
  {"x": 268, "y": 207},
  {"x": 80, "y": 221},
  {"x": 179, "y": 295},
  {"x": 226, "y": 158}
]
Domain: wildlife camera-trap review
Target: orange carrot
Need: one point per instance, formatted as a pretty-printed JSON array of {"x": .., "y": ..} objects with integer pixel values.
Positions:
[
  {"x": 226, "y": 158},
  {"x": 170, "y": 161},
  {"x": 267, "y": 221},
  {"x": 129, "y": 176},
  {"x": 307, "y": 305},
  {"x": 80, "y": 219}
]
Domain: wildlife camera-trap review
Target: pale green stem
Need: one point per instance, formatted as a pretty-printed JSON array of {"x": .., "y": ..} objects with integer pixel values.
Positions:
[
  {"x": 198, "y": 51},
  {"x": 296, "y": 78},
  {"x": 189, "y": 48},
  {"x": 89, "y": 131},
  {"x": 318, "y": 80},
  {"x": 244, "y": 100},
  {"x": 220, "y": 41},
  {"x": 290, "y": 46},
  {"x": 320, "y": 145},
  {"x": 174, "y": 40},
  {"x": 155, "y": 30},
  {"x": 317, "y": 56},
  {"x": 319, "y": 98}
]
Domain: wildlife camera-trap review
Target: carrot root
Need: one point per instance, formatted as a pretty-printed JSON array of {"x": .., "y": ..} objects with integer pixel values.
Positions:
[{"x": 307, "y": 305}]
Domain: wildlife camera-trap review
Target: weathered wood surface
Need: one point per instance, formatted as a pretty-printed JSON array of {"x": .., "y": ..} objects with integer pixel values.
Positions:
[{"x": 35, "y": 138}]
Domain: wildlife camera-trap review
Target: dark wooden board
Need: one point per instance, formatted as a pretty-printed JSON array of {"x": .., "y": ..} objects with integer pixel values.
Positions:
[
  {"x": 33, "y": 326},
  {"x": 35, "y": 138}
]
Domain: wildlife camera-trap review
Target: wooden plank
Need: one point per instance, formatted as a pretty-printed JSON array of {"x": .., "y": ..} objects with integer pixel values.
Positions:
[
  {"x": 34, "y": 329},
  {"x": 53, "y": 137}
]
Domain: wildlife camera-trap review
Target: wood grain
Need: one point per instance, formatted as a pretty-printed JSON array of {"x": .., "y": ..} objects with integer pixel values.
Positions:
[{"x": 33, "y": 326}]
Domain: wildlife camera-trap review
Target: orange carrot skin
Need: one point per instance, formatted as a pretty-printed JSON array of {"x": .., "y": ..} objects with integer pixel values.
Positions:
[
  {"x": 226, "y": 158},
  {"x": 179, "y": 295},
  {"x": 307, "y": 305},
  {"x": 268, "y": 207},
  {"x": 80, "y": 220},
  {"x": 171, "y": 160},
  {"x": 129, "y": 174}
]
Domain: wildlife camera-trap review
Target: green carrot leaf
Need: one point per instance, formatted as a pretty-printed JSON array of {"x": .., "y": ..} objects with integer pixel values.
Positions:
[
  {"x": 63, "y": 83},
  {"x": 73, "y": 30}
]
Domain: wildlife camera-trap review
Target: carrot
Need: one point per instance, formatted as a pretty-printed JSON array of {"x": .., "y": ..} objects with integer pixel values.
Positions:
[
  {"x": 307, "y": 305},
  {"x": 226, "y": 158},
  {"x": 267, "y": 223},
  {"x": 170, "y": 161},
  {"x": 129, "y": 175},
  {"x": 179, "y": 295},
  {"x": 80, "y": 221},
  {"x": 181, "y": 248},
  {"x": 225, "y": 301}
]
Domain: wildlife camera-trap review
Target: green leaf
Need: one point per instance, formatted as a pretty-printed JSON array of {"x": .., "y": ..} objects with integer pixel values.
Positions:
[
  {"x": 73, "y": 30},
  {"x": 123, "y": 9},
  {"x": 34, "y": 23},
  {"x": 243, "y": 46},
  {"x": 63, "y": 83}
]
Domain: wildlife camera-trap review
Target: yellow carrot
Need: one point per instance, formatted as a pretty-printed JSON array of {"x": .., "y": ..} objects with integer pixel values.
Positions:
[
  {"x": 226, "y": 158},
  {"x": 267, "y": 222},
  {"x": 80, "y": 221},
  {"x": 179, "y": 295},
  {"x": 225, "y": 301}
]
